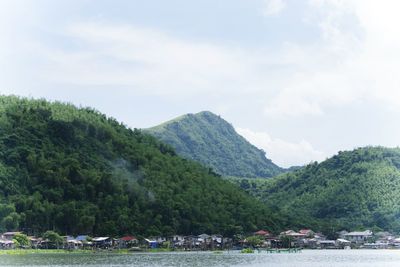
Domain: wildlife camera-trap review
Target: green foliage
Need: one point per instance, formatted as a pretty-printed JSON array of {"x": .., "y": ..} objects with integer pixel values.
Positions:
[
  {"x": 21, "y": 240},
  {"x": 166, "y": 244},
  {"x": 247, "y": 251},
  {"x": 76, "y": 171},
  {"x": 210, "y": 140},
  {"x": 255, "y": 241},
  {"x": 353, "y": 190},
  {"x": 9, "y": 219},
  {"x": 53, "y": 237}
]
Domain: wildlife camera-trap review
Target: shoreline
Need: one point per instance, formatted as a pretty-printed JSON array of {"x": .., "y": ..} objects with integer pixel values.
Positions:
[
  {"x": 84, "y": 251},
  {"x": 148, "y": 251}
]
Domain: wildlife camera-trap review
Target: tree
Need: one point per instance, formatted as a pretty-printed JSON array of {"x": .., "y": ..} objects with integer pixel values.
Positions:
[
  {"x": 9, "y": 219},
  {"x": 255, "y": 241},
  {"x": 76, "y": 171},
  {"x": 11, "y": 222},
  {"x": 53, "y": 238},
  {"x": 21, "y": 240}
]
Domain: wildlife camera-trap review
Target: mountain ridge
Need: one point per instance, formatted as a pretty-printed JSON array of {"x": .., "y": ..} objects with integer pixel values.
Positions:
[
  {"x": 212, "y": 141},
  {"x": 354, "y": 189},
  {"x": 77, "y": 171}
]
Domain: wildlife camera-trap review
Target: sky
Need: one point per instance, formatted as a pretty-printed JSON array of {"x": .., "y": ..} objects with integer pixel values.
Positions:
[{"x": 300, "y": 79}]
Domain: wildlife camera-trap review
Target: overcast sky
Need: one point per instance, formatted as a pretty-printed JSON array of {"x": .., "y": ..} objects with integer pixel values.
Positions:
[{"x": 299, "y": 79}]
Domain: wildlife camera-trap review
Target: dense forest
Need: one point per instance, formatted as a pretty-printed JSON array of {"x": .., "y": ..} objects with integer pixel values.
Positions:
[
  {"x": 76, "y": 171},
  {"x": 352, "y": 190},
  {"x": 210, "y": 140}
]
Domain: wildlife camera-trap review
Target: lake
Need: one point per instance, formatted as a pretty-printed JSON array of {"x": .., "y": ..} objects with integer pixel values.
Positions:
[{"x": 313, "y": 258}]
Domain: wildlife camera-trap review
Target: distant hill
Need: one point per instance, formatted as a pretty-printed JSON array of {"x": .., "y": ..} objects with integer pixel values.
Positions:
[
  {"x": 76, "y": 171},
  {"x": 210, "y": 140},
  {"x": 354, "y": 189}
]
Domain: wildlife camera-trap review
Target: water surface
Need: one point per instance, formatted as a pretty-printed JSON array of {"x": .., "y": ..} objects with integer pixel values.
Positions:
[{"x": 313, "y": 258}]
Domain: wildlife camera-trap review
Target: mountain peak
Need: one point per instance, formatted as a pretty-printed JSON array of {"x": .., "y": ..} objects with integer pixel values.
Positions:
[
  {"x": 206, "y": 113},
  {"x": 74, "y": 170},
  {"x": 207, "y": 138}
]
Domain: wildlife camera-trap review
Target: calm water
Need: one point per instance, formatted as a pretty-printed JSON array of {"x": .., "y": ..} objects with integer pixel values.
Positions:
[{"x": 325, "y": 258}]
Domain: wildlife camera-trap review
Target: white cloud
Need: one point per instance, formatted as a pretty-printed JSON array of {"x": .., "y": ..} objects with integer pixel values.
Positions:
[
  {"x": 311, "y": 94},
  {"x": 145, "y": 60},
  {"x": 281, "y": 152},
  {"x": 347, "y": 53},
  {"x": 380, "y": 59},
  {"x": 273, "y": 7},
  {"x": 356, "y": 59}
]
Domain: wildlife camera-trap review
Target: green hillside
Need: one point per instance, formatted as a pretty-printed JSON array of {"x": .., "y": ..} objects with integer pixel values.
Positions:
[
  {"x": 76, "y": 171},
  {"x": 354, "y": 189},
  {"x": 210, "y": 140}
]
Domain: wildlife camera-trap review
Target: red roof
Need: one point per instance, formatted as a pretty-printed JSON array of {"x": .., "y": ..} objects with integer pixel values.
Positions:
[
  {"x": 262, "y": 232},
  {"x": 128, "y": 238}
]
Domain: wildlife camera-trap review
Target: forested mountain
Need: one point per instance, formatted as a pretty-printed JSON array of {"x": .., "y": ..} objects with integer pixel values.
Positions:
[
  {"x": 76, "y": 171},
  {"x": 210, "y": 140},
  {"x": 354, "y": 189}
]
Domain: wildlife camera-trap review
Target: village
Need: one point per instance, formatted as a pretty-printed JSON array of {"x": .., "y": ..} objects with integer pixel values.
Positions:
[{"x": 262, "y": 239}]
